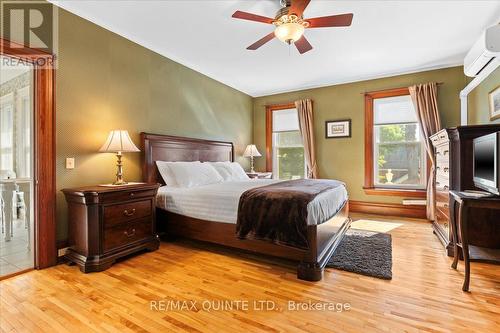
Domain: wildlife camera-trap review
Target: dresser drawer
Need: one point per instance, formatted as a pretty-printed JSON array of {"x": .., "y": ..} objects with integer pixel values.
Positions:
[
  {"x": 127, "y": 233},
  {"x": 442, "y": 196},
  {"x": 443, "y": 221},
  {"x": 121, "y": 213},
  {"x": 443, "y": 207},
  {"x": 443, "y": 154},
  {"x": 442, "y": 184},
  {"x": 443, "y": 169},
  {"x": 126, "y": 195},
  {"x": 440, "y": 137}
]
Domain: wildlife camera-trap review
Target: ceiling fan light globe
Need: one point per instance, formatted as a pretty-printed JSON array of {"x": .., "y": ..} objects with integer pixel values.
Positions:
[{"x": 289, "y": 32}]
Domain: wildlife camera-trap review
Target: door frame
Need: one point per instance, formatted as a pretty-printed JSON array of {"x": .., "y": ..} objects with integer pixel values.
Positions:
[{"x": 44, "y": 149}]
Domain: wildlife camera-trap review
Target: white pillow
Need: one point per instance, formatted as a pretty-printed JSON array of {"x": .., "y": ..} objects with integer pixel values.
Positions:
[
  {"x": 238, "y": 172},
  {"x": 166, "y": 173},
  {"x": 194, "y": 174},
  {"x": 223, "y": 169},
  {"x": 230, "y": 171}
]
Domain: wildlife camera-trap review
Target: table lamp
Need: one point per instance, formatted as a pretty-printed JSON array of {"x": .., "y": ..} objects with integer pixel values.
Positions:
[
  {"x": 119, "y": 142},
  {"x": 251, "y": 151}
]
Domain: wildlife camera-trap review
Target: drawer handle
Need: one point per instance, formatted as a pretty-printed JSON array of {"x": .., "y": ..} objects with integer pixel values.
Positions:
[
  {"x": 446, "y": 169},
  {"x": 446, "y": 187},
  {"x": 127, "y": 213},
  {"x": 132, "y": 194},
  {"x": 445, "y": 152},
  {"x": 131, "y": 234}
]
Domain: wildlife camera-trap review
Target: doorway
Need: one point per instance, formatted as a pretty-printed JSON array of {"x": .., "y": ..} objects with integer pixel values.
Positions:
[
  {"x": 27, "y": 159},
  {"x": 16, "y": 166}
]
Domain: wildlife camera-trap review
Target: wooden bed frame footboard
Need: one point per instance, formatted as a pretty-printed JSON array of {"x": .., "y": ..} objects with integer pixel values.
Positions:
[{"x": 323, "y": 238}]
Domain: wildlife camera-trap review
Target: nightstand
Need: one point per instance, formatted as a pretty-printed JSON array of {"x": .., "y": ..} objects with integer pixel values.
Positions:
[
  {"x": 107, "y": 223},
  {"x": 260, "y": 175}
]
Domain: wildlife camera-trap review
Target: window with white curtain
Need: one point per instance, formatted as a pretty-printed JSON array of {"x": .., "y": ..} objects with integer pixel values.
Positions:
[
  {"x": 7, "y": 132},
  {"x": 399, "y": 157},
  {"x": 288, "y": 149},
  {"x": 23, "y": 133}
]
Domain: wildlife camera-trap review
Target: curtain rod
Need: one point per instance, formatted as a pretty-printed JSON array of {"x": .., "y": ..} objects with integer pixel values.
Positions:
[{"x": 367, "y": 92}]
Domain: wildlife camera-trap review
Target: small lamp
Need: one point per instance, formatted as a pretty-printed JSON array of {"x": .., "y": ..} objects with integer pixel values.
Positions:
[
  {"x": 119, "y": 142},
  {"x": 251, "y": 151}
]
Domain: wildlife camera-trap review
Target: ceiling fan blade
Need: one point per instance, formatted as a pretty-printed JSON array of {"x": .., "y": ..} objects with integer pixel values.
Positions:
[
  {"x": 252, "y": 17},
  {"x": 343, "y": 20},
  {"x": 261, "y": 42},
  {"x": 303, "y": 45},
  {"x": 298, "y": 6}
]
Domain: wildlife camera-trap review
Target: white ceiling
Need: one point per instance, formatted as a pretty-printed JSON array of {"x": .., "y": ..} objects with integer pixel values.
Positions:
[{"x": 386, "y": 38}]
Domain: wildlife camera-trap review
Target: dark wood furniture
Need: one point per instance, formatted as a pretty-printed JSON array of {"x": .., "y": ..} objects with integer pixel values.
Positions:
[
  {"x": 463, "y": 224},
  {"x": 324, "y": 238},
  {"x": 454, "y": 171},
  {"x": 441, "y": 224},
  {"x": 107, "y": 223},
  {"x": 44, "y": 148}
]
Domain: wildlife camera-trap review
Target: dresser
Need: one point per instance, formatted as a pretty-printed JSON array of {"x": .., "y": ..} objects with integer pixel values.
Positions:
[
  {"x": 442, "y": 151},
  {"x": 453, "y": 149},
  {"x": 107, "y": 223}
]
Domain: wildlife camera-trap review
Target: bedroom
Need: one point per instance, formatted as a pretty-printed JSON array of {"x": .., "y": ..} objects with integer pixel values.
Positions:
[{"x": 180, "y": 71}]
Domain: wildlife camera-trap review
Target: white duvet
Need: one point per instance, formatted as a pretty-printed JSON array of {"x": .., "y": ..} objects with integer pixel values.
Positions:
[{"x": 219, "y": 202}]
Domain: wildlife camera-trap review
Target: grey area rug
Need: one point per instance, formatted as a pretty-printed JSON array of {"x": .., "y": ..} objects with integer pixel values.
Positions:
[{"x": 364, "y": 252}]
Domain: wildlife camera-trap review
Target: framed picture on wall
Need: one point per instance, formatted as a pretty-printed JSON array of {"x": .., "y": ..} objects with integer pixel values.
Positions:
[
  {"x": 338, "y": 128},
  {"x": 494, "y": 97}
]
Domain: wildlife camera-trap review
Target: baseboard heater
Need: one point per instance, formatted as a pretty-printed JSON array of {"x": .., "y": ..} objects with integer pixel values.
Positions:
[{"x": 414, "y": 202}]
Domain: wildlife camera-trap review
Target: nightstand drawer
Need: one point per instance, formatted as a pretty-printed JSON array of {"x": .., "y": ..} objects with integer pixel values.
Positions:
[
  {"x": 118, "y": 214},
  {"x": 126, "y": 233},
  {"x": 127, "y": 195}
]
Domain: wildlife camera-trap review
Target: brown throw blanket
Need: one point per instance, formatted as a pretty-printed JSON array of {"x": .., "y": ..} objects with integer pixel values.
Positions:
[{"x": 278, "y": 212}]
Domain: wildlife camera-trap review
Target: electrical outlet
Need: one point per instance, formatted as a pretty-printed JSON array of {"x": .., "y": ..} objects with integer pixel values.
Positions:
[{"x": 70, "y": 163}]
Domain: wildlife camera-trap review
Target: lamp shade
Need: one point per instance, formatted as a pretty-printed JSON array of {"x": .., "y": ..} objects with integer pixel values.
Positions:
[
  {"x": 251, "y": 151},
  {"x": 118, "y": 141}
]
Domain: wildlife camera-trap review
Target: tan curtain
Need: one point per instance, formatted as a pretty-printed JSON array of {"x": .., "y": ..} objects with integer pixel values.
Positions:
[
  {"x": 424, "y": 97},
  {"x": 305, "y": 112}
]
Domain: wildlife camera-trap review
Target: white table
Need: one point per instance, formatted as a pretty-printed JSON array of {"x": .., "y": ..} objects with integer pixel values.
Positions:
[{"x": 7, "y": 188}]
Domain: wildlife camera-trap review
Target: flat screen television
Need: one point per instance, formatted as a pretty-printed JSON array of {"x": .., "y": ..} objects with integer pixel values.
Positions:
[{"x": 487, "y": 162}]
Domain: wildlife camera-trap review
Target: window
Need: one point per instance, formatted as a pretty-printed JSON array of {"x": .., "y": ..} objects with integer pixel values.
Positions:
[
  {"x": 395, "y": 156},
  {"x": 284, "y": 151},
  {"x": 7, "y": 132}
]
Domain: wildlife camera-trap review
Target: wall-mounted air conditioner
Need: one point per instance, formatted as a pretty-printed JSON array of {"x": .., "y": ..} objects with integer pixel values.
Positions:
[{"x": 483, "y": 52}]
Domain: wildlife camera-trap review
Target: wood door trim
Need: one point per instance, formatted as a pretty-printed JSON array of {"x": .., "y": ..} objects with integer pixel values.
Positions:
[
  {"x": 269, "y": 131},
  {"x": 44, "y": 149}
]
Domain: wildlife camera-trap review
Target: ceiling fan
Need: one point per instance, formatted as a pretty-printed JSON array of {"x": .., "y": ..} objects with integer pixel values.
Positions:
[{"x": 290, "y": 24}]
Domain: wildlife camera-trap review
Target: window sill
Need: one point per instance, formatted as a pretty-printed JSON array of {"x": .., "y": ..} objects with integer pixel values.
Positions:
[{"x": 396, "y": 192}]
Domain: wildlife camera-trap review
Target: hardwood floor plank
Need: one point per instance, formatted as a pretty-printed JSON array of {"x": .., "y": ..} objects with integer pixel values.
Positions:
[{"x": 424, "y": 294}]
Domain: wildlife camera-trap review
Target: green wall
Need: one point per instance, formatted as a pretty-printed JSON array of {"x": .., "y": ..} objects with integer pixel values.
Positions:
[
  {"x": 478, "y": 101},
  {"x": 105, "y": 82},
  {"x": 343, "y": 159}
]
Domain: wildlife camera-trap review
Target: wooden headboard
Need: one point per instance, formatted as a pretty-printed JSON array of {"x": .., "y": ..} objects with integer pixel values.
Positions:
[{"x": 156, "y": 147}]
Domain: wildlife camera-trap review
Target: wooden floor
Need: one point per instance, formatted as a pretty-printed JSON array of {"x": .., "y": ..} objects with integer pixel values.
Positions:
[{"x": 424, "y": 294}]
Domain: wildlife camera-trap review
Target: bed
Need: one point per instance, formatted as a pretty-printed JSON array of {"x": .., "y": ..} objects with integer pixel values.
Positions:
[{"x": 191, "y": 215}]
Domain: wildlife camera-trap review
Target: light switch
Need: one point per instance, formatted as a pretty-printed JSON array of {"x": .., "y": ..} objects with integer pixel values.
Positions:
[{"x": 70, "y": 163}]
